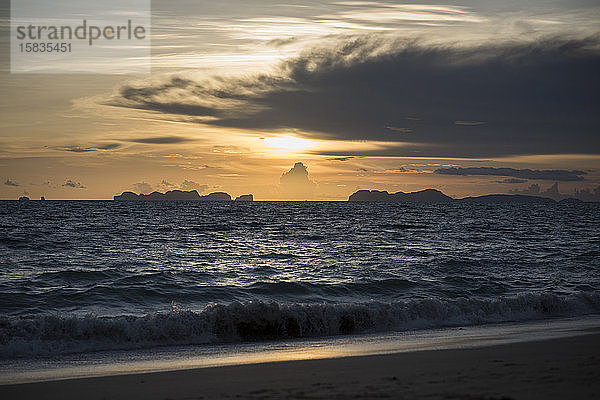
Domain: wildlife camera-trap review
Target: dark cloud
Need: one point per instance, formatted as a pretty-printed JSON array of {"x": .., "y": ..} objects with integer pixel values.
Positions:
[
  {"x": 11, "y": 183},
  {"x": 397, "y": 129},
  {"x": 108, "y": 146},
  {"x": 469, "y": 123},
  {"x": 88, "y": 149},
  {"x": 73, "y": 184},
  {"x": 341, "y": 158},
  {"x": 161, "y": 140},
  {"x": 539, "y": 97},
  {"x": 549, "y": 175},
  {"x": 512, "y": 181},
  {"x": 76, "y": 149}
]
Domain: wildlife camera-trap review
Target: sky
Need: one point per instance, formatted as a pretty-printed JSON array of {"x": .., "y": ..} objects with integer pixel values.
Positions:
[{"x": 313, "y": 100}]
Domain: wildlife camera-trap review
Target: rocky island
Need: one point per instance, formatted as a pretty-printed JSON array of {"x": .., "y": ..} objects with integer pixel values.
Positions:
[
  {"x": 246, "y": 197},
  {"x": 435, "y": 196},
  {"x": 424, "y": 196},
  {"x": 176, "y": 195}
]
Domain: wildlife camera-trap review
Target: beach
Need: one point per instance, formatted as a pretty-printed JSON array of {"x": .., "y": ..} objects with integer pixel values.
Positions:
[{"x": 547, "y": 369}]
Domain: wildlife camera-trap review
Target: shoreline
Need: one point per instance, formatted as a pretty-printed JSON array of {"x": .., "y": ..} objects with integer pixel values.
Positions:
[
  {"x": 553, "y": 368},
  {"x": 177, "y": 358}
]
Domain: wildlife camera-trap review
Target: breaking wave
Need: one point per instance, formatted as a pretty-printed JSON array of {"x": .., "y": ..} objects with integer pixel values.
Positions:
[{"x": 51, "y": 335}]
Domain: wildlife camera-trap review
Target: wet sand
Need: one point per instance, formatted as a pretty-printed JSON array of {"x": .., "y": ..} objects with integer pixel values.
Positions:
[{"x": 566, "y": 368}]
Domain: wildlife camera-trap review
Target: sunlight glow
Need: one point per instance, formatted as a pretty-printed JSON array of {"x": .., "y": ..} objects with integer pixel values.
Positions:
[{"x": 288, "y": 143}]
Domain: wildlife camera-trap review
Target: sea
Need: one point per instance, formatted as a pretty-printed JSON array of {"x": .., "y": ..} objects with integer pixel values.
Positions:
[{"x": 105, "y": 280}]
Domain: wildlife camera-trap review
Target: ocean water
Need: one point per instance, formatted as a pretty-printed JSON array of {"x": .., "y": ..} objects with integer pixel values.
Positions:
[{"x": 80, "y": 277}]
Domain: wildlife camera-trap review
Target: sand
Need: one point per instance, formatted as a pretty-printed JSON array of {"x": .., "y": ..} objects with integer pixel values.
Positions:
[{"x": 566, "y": 368}]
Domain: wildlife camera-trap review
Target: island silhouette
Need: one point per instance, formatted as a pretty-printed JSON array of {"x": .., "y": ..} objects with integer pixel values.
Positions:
[
  {"x": 435, "y": 196},
  {"x": 179, "y": 195},
  {"x": 382, "y": 196}
]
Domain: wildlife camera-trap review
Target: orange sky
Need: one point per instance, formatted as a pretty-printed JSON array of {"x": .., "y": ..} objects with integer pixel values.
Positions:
[{"x": 65, "y": 136}]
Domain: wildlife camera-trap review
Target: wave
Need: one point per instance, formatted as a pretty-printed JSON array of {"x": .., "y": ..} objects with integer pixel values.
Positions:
[{"x": 51, "y": 335}]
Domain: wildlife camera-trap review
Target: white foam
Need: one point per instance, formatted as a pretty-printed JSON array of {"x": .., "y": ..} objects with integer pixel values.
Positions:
[{"x": 51, "y": 335}]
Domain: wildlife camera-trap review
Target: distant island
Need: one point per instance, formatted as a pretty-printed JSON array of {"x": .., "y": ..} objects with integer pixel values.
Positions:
[
  {"x": 423, "y": 196},
  {"x": 435, "y": 196},
  {"x": 179, "y": 195},
  {"x": 246, "y": 197}
]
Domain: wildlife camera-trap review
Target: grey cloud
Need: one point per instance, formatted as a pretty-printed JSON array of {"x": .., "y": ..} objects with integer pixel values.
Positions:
[
  {"x": 108, "y": 146},
  {"x": 76, "y": 149},
  {"x": 11, "y": 183},
  {"x": 397, "y": 129},
  {"x": 537, "y": 97},
  {"x": 73, "y": 184},
  {"x": 551, "y": 175},
  {"x": 282, "y": 42},
  {"x": 512, "y": 181},
  {"x": 88, "y": 149},
  {"x": 469, "y": 123},
  {"x": 297, "y": 175},
  {"x": 191, "y": 185},
  {"x": 167, "y": 184},
  {"x": 532, "y": 190},
  {"x": 553, "y": 192},
  {"x": 296, "y": 182},
  {"x": 342, "y": 159},
  {"x": 161, "y": 140},
  {"x": 142, "y": 188}
]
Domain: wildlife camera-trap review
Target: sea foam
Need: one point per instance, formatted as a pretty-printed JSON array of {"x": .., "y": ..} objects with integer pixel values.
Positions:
[{"x": 52, "y": 335}]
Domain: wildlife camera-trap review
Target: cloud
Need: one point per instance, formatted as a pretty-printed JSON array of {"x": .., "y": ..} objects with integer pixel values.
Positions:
[
  {"x": 161, "y": 140},
  {"x": 386, "y": 13},
  {"x": 512, "y": 181},
  {"x": 142, "y": 188},
  {"x": 167, "y": 184},
  {"x": 397, "y": 129},
  {"x": 553, "y": 192},
  {"x": 88, "y": 149},
  {"x": 536, "y": 97},
  {"x": 550, "y": 175},
  {"x": 191, "y": 185},
  {"x": 296, "y": 183},
  {"x": 342, "y": 159},
  {"x": 185, "y": 185},
  {"x": 76, "y": 149},
  {"x": 469, "y": 123},
  {"x": 532, "y": 190},
  {"x": 108, "y": 146},
  {"x": 73, "y": 184},
  {"x": 11, "y": 183}
]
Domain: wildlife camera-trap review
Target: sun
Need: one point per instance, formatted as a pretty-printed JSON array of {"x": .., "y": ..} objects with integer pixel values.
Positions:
[{"x": 288, "y": 143}]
